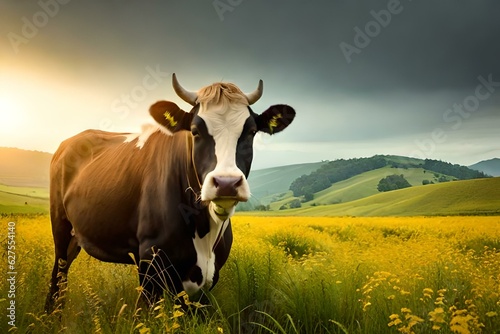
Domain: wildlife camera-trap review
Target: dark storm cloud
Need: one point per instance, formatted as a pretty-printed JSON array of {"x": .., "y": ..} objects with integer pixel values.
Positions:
[
  {"x": 435, "y": 45},
  {"x": 417, "y": 58},
  {"x": 428, "y": 45}
]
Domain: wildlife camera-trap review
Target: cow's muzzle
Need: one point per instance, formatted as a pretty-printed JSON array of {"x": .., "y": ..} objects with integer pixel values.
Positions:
[{"x": 227, "y": 186}]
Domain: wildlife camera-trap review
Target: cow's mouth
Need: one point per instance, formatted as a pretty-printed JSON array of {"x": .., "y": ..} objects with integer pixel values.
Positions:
[{"x": 223, "y": 208}]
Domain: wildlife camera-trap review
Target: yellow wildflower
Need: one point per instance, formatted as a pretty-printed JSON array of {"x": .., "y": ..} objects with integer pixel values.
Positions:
[
  {"x": 437, "y": 316},
  {"x": 439, "y": 301},
  {"x": 177, "y": 314}
]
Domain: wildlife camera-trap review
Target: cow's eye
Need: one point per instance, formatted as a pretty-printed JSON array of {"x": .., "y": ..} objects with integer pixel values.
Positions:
[
  {"x": 253, "y": 132},
  {"x": 195, "y": 132}
]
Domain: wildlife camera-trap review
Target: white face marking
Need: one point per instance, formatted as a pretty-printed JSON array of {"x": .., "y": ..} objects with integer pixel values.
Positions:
[
  {"x": 205, "y": 259},
  {"x": 225, "y": 126}
]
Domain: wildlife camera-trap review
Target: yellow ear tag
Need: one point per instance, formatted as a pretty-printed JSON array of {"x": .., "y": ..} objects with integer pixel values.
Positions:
[
  {"x": 274, "y": 122},
  {"x": 170, "y": 119}
]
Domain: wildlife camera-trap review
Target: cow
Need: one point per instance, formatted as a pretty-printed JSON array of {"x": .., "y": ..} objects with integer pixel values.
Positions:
[{"x": 161, "y": 199}]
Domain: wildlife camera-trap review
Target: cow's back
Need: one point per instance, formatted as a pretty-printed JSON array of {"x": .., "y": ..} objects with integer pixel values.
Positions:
[
  {"x": 95, "y": 184},
  {"x": 75, "y": 153}
]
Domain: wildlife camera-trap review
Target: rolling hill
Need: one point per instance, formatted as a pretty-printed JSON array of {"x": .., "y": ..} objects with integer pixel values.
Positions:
[
  {"x": 364, "y": 185},
  {"x": 23, "y": 199},
  {"x": 342, "y": 181},
  {"x": 468, "y": 197},
  {"x": 269, "y": 181},
  {"x": 24, "y": 181},
  {"x": 24, "y": 168},
  {"x": 490, "y": 167},
  {"x": 353, "y": 190},
  {"x": 340, "y": 170}
]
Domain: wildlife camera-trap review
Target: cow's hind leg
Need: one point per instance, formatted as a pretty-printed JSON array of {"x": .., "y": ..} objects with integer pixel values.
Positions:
[{"x": 66, "y": 250}]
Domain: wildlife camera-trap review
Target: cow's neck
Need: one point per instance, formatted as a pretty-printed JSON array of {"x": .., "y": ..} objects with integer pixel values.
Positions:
[
  {"x": 209, "y": 230},
  {"x": 194, "y": 184}
]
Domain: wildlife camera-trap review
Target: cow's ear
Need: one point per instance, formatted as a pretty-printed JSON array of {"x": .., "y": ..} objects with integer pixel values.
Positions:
[
  {"x": 275, "y": 119},
  {"x": 169, "y": 115}
]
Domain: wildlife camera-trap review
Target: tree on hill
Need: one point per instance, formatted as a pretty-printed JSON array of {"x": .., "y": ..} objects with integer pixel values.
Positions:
[
  {"x": 339, "y": 170},
  {"x": 333, "y": 172},
  {"x": 308, "y": 196},
  {"x": 393, "y": 182},
  {"x": 460, "y": 172}
]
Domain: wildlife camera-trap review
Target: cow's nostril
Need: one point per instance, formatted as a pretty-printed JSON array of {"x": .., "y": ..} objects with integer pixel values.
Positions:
[
  {"x": 239, "y": 182},
  {"x": 227, "y": 185},
  {"x": 227, "y": 181}
]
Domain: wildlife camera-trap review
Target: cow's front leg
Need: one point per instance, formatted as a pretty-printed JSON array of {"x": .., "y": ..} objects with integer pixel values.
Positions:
[{"x": 157, "y": 275}]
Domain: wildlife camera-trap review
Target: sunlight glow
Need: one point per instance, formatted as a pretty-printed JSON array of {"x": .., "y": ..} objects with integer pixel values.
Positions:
[{"x": 10, "y": 114}]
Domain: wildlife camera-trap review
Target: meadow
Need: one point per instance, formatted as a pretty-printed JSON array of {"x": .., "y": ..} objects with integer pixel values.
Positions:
[
  {"x": 284, "y": 275},
  {"x": 26, "y": 200}
]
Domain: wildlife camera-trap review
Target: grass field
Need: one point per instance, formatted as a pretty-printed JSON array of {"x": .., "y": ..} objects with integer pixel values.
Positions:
[
  {"x": 285, "y": 275},
  {"x": 14, "y": 199}
]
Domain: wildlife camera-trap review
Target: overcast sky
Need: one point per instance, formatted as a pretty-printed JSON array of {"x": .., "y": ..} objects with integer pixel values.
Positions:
[{"x": 413, "y": 78}]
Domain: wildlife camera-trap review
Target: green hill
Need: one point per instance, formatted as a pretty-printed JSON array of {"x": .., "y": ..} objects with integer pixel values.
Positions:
[
  {"x": 364, "y": 185},
  {"x": 23, "y": 199},
  {"x": 490, "y": 167},
  {"x": 24, "y": 181},
  {"x": 360, "y": 186},
  {"x": 469, "y": 197},
  {"x": 24, "y": 168},
  {"x": 270, "y": 181},
  {"x": 342, "y": 181},
  {"x": 340, "y": 170}
]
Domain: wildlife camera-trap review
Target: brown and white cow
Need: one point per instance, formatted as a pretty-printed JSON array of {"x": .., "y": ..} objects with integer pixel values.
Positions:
[{"x": 165, "y": 195}]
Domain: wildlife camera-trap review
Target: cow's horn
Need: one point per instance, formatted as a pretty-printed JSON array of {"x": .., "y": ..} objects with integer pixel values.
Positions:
[
  {"x": 255, "y": 95},
  {"x": 189, "y": 97}
]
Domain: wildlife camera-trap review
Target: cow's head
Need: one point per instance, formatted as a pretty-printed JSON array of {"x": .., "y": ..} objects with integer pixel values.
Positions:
[{"x": 223, "y": 128}]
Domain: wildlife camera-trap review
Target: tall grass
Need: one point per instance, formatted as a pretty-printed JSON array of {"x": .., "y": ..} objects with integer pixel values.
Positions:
[{"x": 286, "y": 275}]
